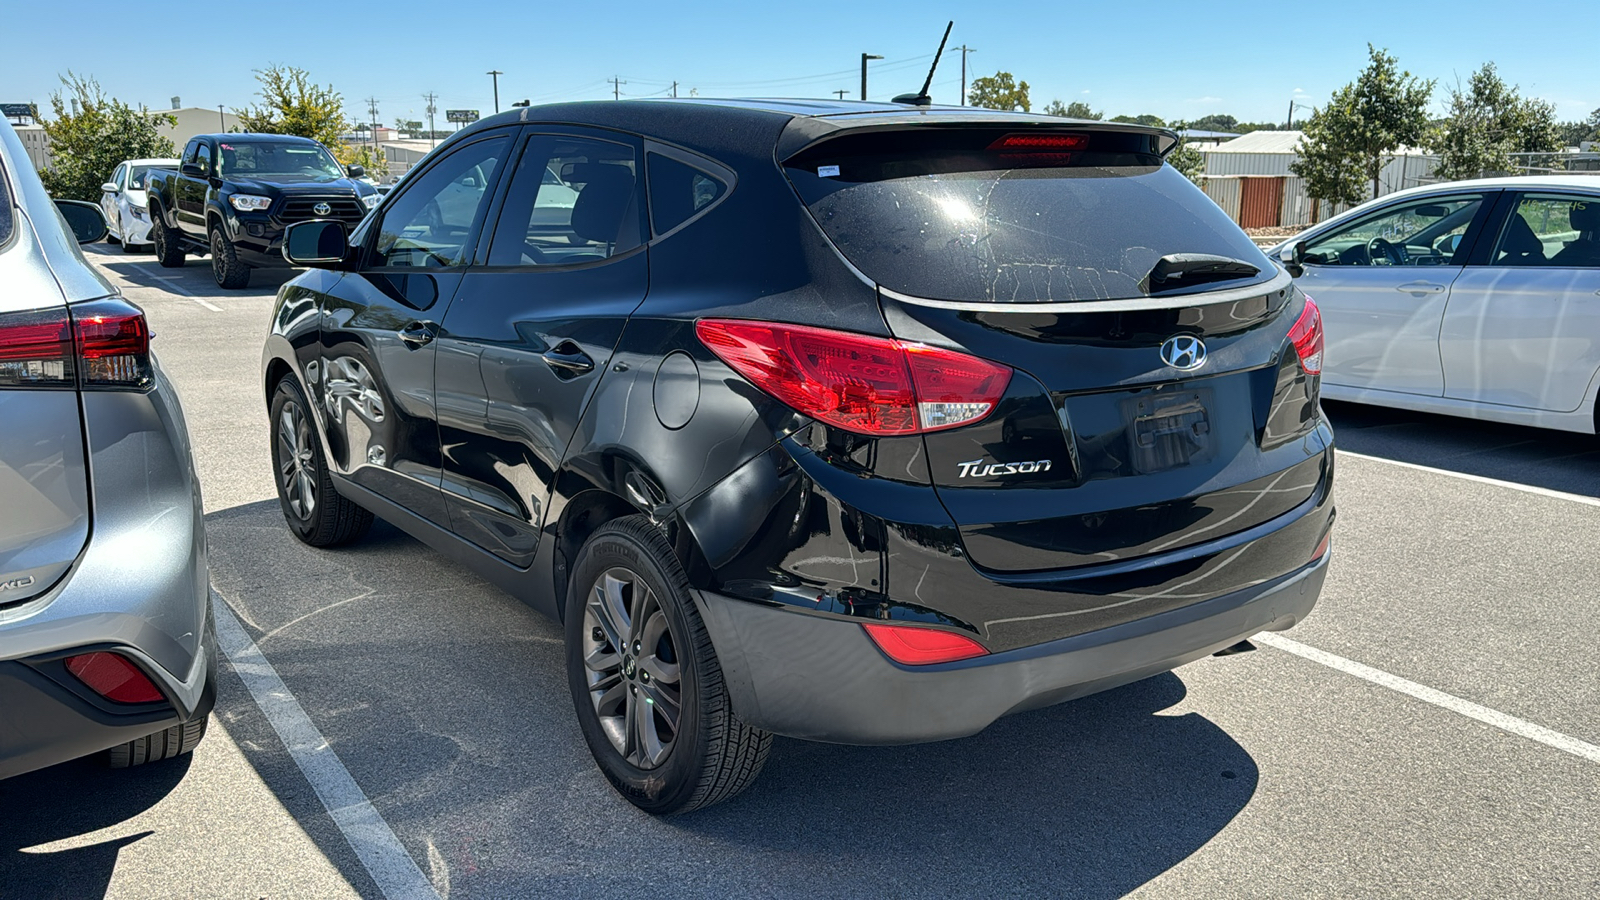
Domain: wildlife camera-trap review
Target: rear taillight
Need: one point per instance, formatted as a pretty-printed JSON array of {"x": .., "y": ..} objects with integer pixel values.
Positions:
[
  {"x": 1306, "y": 335},
  {"x": 113, "y": 677},
  {"x": 36, "y": 349},
  {"x": 857, "y": 382},
  {"x": 113, "y": 345},
  {"x": 916, "y": 646},
  {"x": 104, "y": 344}
]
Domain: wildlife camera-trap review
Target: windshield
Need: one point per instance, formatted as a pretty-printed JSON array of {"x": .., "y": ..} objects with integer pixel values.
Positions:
[
  {"x": 250, "y": 159},
  {"x": 957, "y": 219},
  {"x": 136, "y": 177}
]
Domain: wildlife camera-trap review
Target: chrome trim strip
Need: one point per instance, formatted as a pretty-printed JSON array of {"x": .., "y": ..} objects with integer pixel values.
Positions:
[{"x": 1281, "y": 282}]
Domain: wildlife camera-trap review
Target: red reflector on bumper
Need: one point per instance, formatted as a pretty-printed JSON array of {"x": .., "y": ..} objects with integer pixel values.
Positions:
[
  {"x": 914, "y": 646},
  {"x": 1322, "y": 546},
  {"x": 113, "y": 677}
]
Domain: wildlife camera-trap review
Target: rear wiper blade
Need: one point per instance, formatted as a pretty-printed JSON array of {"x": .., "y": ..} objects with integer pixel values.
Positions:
[{"x": 1181, "y": 270}]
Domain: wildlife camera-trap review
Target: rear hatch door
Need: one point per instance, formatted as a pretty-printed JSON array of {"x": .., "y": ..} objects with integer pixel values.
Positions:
[{"x": 1074, "y": 256}]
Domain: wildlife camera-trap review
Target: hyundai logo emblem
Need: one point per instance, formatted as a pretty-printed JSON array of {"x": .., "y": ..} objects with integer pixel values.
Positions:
[
  {"x": 1183, "y": 351},
  {"x": 322, "y": 209}
]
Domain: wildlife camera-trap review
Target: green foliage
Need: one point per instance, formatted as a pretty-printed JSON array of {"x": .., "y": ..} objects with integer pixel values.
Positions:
[
  {"x": 1185, "y": 158},
  {"x": 87, "y": 145},
  {"x": 999, "y": 91},
  {"x": 291, "y": 103},
  {"x": 408, "y": 126},
  {"x": 1349, "y": 140},
  {"x": 1486, "y": 123},
  {"x": 1147, "y": 119},
  {"x": 1077, "y": 109},
  {"x": 1572, "y": 134}
]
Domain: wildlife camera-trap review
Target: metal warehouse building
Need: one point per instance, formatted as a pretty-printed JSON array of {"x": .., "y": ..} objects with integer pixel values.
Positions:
[{"x": 1249, "y": 177}]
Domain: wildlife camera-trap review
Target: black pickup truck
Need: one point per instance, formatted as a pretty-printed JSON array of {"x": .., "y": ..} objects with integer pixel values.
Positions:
[{"x": 233, "y": 194}]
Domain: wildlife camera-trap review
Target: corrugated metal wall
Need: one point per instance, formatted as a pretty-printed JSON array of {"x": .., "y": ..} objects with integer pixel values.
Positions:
[
  {"x": 1260, "y": 200},
  {"x": 1225, "y": 193}
]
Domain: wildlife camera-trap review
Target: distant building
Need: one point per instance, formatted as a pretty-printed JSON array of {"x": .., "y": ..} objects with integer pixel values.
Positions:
[
  {"x": 193, "y": 120},
  {"x": 402, "y": 155},
  {"x": 1249, "y": 177},
  {"x": 36, "y": 142}
]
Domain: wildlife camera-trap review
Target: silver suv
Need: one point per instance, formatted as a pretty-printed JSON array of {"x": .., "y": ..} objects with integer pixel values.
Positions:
[{"x": 106, "y": 642}]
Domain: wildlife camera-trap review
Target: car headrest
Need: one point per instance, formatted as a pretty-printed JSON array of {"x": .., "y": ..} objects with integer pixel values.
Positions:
[
  {"x": 1585, "y": 216},
  {"x": 1520, "y": 240},
  {"x": 597, "y": 213}
]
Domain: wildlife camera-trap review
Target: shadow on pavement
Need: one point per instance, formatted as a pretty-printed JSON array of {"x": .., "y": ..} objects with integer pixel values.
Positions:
[
  {"x": 66, "y": 801},
  {"x": 1556, "y": 460},
  {"x": 447, "y": 701},
  {"x": 195, "y": 276}
]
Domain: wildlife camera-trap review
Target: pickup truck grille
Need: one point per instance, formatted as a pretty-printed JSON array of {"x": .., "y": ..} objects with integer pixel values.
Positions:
[{"x": 299, "y": 209}]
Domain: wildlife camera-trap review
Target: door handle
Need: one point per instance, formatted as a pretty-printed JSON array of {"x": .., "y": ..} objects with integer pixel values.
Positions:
[
  {"x": 1421, "y": 287},
  {"x": 569, "y": 359},
  {"x": 417, "y": 334}
]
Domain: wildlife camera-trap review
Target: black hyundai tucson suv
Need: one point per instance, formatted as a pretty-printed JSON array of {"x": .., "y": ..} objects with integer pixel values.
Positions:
[{"x": 851, "y": 422}]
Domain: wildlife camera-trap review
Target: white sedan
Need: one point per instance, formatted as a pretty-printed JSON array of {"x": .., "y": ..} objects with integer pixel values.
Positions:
[
  {"x": 123, "y": 201},
  {"x": 1470, "y": 298}
]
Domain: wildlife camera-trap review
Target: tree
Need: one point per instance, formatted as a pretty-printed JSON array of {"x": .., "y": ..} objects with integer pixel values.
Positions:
[
  {"x": 87, "y": 144},
  {"x": 1146, "y": 119},
  {"x": 1486, "y": 123},
  {"x": 1186, "y": 159},
  {"x": 1215, "y": 122},
  {"x": 408, "y": 126},
  {"x": 1362, "y": 125},
  {"x": 998, "y": 91},
  {"x": 1572, "y": 134},
  {"x": 293, "y": 104},
  {"x": 1077, "y": 109}
]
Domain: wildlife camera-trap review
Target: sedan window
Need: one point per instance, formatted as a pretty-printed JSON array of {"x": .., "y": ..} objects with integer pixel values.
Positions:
[
  {"x": 1551, "y": 231},
  {"x": 571, "y": 200},
  {"x": 1422, "y": 233}
]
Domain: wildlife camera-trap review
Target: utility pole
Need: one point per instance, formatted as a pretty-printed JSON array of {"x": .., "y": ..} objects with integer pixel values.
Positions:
[
  {"x": 431, "y": 109},
  {"x": 372, "y": 110},
  {"x": 864, "y": 58},
  {"x": 841, "y": 94},
  {"x": 616, "y": 88},
  {"x": 495, "y": 74},
  {"x": 222, "y": 121},
  {"x": 1290, "y": 125},
  {"x": 674, "y": 90},
  {"x": 964, "y": 51}
]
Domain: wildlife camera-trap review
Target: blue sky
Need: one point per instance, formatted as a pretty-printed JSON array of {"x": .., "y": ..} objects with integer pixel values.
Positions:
[{"x": 1177, "y": 60}]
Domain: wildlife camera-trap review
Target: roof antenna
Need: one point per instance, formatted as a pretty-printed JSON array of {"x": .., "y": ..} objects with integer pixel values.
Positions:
[{"x": 921, "y": 98}]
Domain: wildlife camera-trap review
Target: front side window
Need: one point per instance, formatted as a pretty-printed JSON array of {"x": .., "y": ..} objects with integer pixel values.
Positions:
[
  {"x": 1424, "y": 233},
  {"x": 1551, "y": 231},
  {"x": 117, "y": 177},
  {"x": 257, "y": 159},
  {"x": 571, "y": 200},
  {"x": 202, "y": 157},
  {"x": 678, "y": 192},
  {"x": 431, "y": 224}
]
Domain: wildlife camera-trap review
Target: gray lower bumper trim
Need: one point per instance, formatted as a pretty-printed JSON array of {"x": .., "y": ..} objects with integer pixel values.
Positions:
[{"x": 822, "y": 679}]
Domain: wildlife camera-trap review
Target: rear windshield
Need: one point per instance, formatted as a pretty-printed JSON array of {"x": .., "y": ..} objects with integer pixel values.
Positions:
[
  {"x": 6, "y": 215},
  {"x": 977, "y": 215}
]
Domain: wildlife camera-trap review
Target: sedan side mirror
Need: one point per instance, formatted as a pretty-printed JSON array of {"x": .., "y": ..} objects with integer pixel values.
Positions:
[
  {"x": 87, "y": 222},
  {"x": 110, "y": 187},
  {"x": 318, "y": 244},
  {"x": 1293, "y": 257},
  {"x": 356, "y": 171}
]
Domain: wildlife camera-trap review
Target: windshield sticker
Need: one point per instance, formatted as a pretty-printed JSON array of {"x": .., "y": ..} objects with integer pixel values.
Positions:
[{"x": 828, "y": 171}]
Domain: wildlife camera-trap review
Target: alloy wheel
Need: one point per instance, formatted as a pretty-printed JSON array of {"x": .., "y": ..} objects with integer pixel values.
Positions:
[
  {"x": 297, "y": 469},
  {"x": 632, "y": 667}
]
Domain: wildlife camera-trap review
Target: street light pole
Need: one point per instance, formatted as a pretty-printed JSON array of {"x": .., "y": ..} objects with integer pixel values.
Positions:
[
  {"x": 495, "y": 74},
  {"x": 864, "y": 58}
]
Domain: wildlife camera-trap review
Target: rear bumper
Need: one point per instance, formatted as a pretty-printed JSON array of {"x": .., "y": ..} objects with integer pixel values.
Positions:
[{"x": 822, "y": 678}]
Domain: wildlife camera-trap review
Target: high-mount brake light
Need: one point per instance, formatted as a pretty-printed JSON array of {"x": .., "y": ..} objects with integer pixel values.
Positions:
[
  {"x": 913, "y": 645},
  {"x": 1049, "y": 143},
  {"x": 1306, "y": 335},
  {"x": 860, "y": 383},
  {"x": 114, "y": 677}
]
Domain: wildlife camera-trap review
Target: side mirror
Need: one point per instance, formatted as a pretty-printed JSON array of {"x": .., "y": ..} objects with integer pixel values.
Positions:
[
  {"x": 110, "y": 187},
  {"x": 1293, "y": 257},
  {"x": 87, "y": 222},
  {"x": 320, "y": 245},
  {"x": 192, "y": 170},
  {"x": 356, "y": 171}
]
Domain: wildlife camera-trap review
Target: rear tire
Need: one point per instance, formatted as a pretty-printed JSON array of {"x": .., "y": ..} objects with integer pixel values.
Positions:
[
  {"x": 111, "y": 238},
  {"x": 635, "y": 638},
  {"x": 230, "y": 273},
  {"x": 166, "y": 243},
  {"x": 314, "y": 509}
]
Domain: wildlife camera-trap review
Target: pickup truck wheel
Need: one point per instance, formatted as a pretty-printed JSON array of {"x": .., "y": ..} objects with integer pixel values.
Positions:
[
  {"x": 230, "y": 273},
  {"x": 168, "y": 249}
]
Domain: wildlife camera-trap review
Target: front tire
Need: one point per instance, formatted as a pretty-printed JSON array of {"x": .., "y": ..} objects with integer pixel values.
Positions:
[
  {"x": 314, "y": 509},
  {"x": 165, "y": 241},
  {"x": 230, "y": 273},
  {"x": 645, "y": 680}
]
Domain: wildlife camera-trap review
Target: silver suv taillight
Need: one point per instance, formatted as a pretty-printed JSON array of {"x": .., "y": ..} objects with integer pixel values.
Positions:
[{"x": 100, "y": 345}]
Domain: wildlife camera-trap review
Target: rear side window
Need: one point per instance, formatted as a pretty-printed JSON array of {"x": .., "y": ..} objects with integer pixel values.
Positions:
[
  {"x": 979, "y": 215},
  {"x": 678, "y": 191}
]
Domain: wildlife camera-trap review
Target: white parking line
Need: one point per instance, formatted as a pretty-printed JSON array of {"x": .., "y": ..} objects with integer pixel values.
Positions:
[
  {"x": 1525, "y": 488},
  {"x": 1500, "y": 720},
  {"x": 175, "y": 286},
  {"x": 380, "y": 852}
]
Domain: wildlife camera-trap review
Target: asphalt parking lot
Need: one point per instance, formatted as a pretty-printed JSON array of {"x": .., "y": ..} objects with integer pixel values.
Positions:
[{"x": 1430, "y": 730}]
